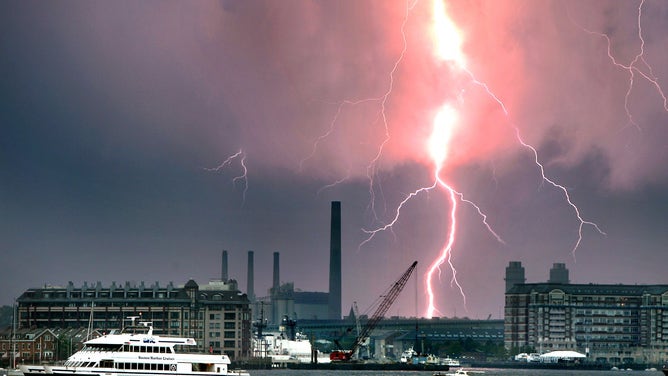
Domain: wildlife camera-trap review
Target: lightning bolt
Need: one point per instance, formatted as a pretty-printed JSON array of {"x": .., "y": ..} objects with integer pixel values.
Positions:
[
  {"x": 635, "y": 66},
  {"x": 382, "y": 99},
  {"x": 448, "y": 48},
  {"x": 242, "y": 177}
]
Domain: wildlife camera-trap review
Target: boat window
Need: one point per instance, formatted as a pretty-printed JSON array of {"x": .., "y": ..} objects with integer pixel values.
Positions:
[
  {"x": 202, "y": 367},
  {"x": 106, "y": 363}
]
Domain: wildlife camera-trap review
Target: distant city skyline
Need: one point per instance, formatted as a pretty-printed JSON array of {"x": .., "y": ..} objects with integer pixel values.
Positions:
[{"x": 140, "y": 139}]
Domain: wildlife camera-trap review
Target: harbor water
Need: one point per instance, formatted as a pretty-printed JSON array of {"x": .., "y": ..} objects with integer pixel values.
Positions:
[{"x": 487, "y": 372}]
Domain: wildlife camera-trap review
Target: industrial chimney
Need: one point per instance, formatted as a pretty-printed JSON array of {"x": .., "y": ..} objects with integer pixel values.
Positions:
[
  {"x": 277, "y": 279},
  {"x": 223, "y": 272},
  {"x": 334, "y": 306},
  {"x": 250, "y": 277}
]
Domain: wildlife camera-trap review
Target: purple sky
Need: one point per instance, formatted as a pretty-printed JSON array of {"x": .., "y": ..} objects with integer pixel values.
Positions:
[{"x": 114, "y": 113}]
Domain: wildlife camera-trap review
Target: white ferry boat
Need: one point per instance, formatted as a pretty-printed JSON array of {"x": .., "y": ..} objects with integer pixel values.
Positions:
[{"x": 136, "y": 351}]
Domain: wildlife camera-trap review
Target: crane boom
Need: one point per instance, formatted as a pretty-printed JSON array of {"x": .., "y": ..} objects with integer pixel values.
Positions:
[{"x": 344, "y": 355}]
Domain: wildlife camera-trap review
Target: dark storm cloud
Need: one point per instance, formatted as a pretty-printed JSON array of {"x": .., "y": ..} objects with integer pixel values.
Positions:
[{"x": 110, "y": 112}]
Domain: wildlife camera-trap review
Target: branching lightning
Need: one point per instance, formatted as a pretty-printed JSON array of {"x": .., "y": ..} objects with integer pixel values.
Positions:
[
  {"x": 241, "y": 156},
  {"x": 448, "y": 48},
  {"x": 635, "y": 66}
]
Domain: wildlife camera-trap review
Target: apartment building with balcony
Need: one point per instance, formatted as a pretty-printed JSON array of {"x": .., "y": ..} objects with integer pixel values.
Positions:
[{"x": 616, "y": 324}]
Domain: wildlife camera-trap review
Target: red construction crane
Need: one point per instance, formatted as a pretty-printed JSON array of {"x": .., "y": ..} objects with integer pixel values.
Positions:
[{"x": 395, "y": 289}]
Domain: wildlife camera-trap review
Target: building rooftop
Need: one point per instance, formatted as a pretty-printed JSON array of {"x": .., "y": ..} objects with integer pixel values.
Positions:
[{"x": 589, "y": 289}]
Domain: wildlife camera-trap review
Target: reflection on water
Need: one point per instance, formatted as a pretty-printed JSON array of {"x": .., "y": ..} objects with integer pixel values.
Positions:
[{"x": 488, "y": 372}]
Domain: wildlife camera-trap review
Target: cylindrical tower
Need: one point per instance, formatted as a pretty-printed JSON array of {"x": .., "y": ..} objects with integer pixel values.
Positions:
[
  {"x": 223, "y": 272},
  {"x": 277, "y": 276},
  {"x": 335, "y": 263},
  {"x": 250, "y": 277}
]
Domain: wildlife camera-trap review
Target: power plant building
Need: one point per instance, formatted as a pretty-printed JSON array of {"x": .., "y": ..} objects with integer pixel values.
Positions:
[
  {"x": 615, "y": 324},
  {"x": 285, "y": 300}
]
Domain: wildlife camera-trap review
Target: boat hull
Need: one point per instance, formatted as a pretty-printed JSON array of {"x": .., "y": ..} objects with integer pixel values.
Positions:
[
  {"x": 41, "y": 371},
  {"x": 361, "y": 366}
]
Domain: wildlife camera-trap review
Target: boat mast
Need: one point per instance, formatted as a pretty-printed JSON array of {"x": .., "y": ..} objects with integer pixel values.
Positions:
[{"x": 90, "y": 321}]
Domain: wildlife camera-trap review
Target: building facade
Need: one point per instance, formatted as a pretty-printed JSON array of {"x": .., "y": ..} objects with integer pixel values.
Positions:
[
  {"x": 27, "y": 346},
  {"x": 216, "y": 315},
  {"x": 616, "y": 324}
]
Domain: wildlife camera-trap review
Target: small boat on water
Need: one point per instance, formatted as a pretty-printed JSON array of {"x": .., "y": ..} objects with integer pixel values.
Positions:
[
  {"x": 665, "y": 371},
  {"x": 458, "y": 372},
  {"x": 451, "y": 362},
  {"x": 136, "y": 351}
]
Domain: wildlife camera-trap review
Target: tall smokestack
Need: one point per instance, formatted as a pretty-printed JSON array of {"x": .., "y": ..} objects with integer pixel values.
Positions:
[
  {"x": 223, "y": 272},
  {"x": 277, "y": 277},
  {"x": 250, "y": 275},
  {"x": 335, "y": 263}
]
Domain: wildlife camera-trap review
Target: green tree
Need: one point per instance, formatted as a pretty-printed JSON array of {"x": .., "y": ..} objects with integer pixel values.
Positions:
[{"x": 63, "y": 347}]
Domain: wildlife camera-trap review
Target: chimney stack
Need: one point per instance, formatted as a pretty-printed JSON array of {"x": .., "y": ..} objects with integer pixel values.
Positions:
[
  {"x": 250, "y": 277},
  {"x": 277, "y": 279},
  {"x": 334, "y": 306},
  {"x": 223, "y": 274}
]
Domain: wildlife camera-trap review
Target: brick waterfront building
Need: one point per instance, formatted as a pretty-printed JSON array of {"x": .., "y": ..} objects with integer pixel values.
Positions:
[{"x": 217, "y": 315}]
